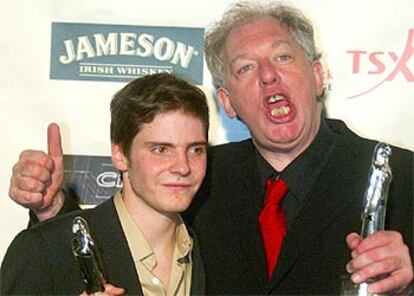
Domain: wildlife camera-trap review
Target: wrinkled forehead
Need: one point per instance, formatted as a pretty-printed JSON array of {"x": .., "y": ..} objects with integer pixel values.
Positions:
[{"x": 254, "y": 33}]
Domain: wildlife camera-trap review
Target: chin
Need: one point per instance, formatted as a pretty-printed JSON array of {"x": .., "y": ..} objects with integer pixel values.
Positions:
[{"x": 178, "y": 207}]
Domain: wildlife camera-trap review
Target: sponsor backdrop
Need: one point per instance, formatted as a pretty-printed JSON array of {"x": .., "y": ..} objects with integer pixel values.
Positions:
[{"x": 63, "y": 60}]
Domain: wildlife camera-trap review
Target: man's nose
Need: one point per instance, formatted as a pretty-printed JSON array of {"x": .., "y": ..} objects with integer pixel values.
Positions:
[
  {"x": 268, "y": 73},
  {"x": 181, "y": 164}
]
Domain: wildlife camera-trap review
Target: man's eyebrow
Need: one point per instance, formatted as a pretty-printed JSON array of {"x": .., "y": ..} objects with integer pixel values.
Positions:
[
  {"x": 198, "y": 143},
  {"x": 281, "y": 42},
  {"x": 155, "y": 143}
]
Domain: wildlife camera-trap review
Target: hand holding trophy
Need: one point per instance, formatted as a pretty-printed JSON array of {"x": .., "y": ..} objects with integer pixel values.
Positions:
[{"x": 374, "y": 206}]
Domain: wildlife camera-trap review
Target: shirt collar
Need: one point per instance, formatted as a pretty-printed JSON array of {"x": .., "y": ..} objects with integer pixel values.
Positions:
[
  {"x": 184, "y": 242},
  {"x": 302, "y": 172},
  {"x": 139, "y": 247}
]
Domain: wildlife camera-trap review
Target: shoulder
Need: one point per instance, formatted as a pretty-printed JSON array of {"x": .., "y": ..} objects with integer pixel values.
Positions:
[
  {"x": 231, "y": 152},
  {"x": 32, "y": 260},
  {"x": 59, "y": 228},
  {"x": 353, "y": 156},
  {"x": 40, "y": 258},
  {"x": 44, "y": 237},
  {"x": 346, "y": 136}
]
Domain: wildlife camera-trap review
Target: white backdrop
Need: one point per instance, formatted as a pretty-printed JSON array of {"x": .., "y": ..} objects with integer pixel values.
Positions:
[{"x": 366, "y": 48}]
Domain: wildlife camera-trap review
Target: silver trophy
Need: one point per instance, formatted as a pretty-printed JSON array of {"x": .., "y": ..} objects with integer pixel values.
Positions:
[
  {"x": 86, "y": 254},
  {"x": 374, "y": 205}
]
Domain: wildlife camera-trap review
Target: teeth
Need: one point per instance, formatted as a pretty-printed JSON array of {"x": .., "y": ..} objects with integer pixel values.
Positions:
[
  {"x": 275, "y": 99},
  {"x": 280, "y": 111}
]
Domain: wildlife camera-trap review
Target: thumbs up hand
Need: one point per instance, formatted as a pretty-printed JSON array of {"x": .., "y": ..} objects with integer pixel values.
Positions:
[{"x": 38, "y": 176}]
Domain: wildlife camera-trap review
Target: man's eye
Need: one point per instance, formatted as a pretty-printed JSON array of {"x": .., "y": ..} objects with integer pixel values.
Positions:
[
  {"x": 244, "y": 69},
  {"x": 284, "y": 58},
  {"x": 159, "y": 149},
  {"x": 198, "y": 150}
]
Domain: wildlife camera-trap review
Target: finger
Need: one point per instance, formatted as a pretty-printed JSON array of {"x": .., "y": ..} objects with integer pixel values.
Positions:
[
  {"x": 32, "y": 170},
  {"x": 107, "y": 293},
  {"x": 377, "y": 268},
  {"x": 29, "y": 184},
  {"x": 54, "y": 143},
  {"x": 378, "y": 239},
  {"x": 31, "y": 157},
  {"x": 353, "y": 240},
  {"x": 397, "y": 282},
  {"x": 27, "y": 199},
  {"x": 363, "y": 260},
  {"x": 114, "y": 290}
]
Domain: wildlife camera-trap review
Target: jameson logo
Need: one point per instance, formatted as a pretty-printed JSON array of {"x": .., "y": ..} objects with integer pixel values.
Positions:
[{"x": 121, "y": 53}]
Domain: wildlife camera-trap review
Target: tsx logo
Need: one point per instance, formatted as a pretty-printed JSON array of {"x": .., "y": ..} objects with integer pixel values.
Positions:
[
  {"x": 379, "y": 61},
  {"x": 120, "y": 53}
]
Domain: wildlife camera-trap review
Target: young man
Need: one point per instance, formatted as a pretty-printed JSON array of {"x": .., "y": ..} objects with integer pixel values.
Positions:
[
  {"x": 267, "y": 72},
  {"x": 159, "y": 126}
]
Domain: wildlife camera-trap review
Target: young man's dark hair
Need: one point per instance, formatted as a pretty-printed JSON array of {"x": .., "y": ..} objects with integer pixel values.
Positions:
[{"x": 140, "y": 100}]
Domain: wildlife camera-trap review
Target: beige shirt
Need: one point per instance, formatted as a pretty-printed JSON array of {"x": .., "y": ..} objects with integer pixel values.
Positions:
[{"x": 144, "y": 257}]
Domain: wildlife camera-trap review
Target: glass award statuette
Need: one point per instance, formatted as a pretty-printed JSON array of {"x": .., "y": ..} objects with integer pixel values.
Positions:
[
  {"x": 374, "y": 206},
  {"x": 375, "y": 196},
  {"x": 86, "y": 254}
]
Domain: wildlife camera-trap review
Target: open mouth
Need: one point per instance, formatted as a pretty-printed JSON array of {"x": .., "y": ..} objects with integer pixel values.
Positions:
[{"x": 278, "y": 105}]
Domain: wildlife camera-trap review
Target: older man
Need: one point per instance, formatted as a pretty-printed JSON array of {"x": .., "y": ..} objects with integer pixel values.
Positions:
[{"x": 267, "y": 72}]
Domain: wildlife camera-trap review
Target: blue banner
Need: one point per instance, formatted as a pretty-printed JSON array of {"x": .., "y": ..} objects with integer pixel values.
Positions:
[{"x": 122, "y": 53}]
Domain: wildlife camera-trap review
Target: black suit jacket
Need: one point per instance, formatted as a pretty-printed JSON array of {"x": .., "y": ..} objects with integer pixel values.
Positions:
[
  {"x": 40, "y": 261},
  {"x": 314, "y": 252}
]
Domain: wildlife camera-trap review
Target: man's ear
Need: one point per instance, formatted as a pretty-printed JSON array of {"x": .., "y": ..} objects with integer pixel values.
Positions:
[
  {"x": 317, "y": 69},
  {"x": 224, "y": 100},
  {"x": 119, "y": 161}
]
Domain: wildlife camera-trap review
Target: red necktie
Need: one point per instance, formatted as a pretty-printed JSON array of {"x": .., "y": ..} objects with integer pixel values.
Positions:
[{"x": 272, "y": 222}]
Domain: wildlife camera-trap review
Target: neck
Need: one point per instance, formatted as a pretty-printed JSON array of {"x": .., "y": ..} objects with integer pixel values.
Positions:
[
  {"x": 159, "y": 231},
  {"x": 278, "y": 160},
  {"x": 279, "y": 156},
  {"x": 158, "y": 228}
]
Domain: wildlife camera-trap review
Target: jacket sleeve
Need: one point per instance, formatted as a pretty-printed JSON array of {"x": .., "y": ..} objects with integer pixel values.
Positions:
[{"x": 70, "y": 204}]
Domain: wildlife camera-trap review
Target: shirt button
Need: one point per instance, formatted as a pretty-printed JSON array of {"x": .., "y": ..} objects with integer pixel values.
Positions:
[{"x": 155, "y": 280}]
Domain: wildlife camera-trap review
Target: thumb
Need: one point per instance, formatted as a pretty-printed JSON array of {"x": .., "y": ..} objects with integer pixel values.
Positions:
[{"x": 54, "y": 143}]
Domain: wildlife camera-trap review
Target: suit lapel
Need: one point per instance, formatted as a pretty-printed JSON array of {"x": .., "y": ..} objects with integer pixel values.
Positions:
[
  {"x": 198, "y": 280},
  {"x": 246, "y": 202},
  {"x": 117, "y": 259},
  {"x": 318, "y": 212},
  {"x": 322, "y": 206},
  {"x": 116, "y": 256}
]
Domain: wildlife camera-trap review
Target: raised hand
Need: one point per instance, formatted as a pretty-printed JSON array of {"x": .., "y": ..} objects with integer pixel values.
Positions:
[{"x": 38, "y": 176}]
